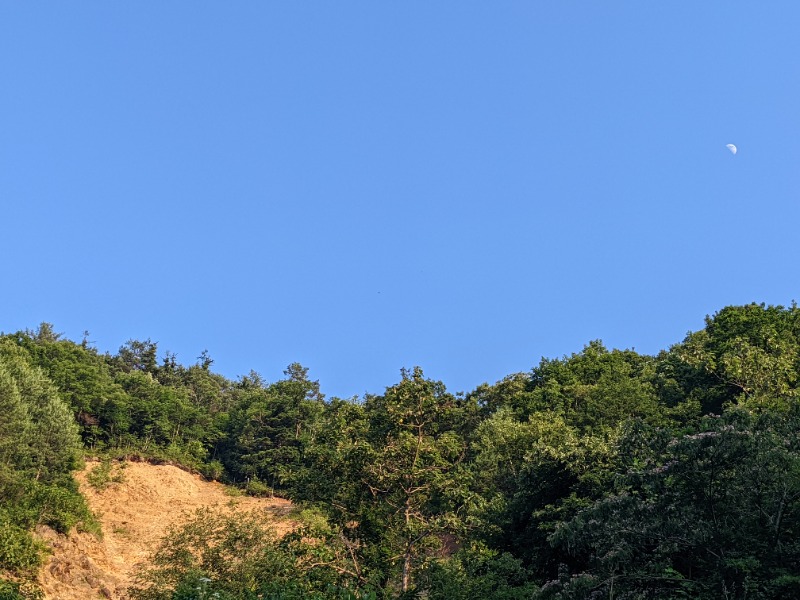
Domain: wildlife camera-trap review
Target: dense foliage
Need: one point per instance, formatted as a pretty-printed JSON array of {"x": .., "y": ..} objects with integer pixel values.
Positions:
[
  {"x": 603, "y": 474},
  {"x": 39, "y": 446}
]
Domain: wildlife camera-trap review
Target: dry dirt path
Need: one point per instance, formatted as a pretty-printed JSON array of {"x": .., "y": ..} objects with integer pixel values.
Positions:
[{"x": 134, "y": 514}]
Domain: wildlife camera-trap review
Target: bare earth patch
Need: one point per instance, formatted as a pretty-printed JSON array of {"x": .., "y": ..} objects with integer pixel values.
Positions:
[{"x": 135, "y": 514}]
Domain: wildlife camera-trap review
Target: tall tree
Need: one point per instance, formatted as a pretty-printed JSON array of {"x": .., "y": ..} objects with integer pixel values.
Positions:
[
  {"x": 138, "y": 355},
  {"x": 47, "y": 439},
  {"x": 270, "y": 425},
  {"x": 411, "y": 470}
]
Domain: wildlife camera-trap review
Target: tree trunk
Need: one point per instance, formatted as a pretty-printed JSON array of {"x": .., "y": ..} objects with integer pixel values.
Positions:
[
  {"x": 409, "y": 544},
  {"x": 406, "y": 570}
]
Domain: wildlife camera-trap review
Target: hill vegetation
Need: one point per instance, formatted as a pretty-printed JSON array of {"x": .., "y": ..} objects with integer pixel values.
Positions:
[
  {"x": 137, "y": 504},
  {"x": 603, "y": 474}
]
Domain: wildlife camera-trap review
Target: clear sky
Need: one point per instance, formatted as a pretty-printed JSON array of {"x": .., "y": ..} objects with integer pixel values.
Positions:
[{"x": 362, "y": 186}]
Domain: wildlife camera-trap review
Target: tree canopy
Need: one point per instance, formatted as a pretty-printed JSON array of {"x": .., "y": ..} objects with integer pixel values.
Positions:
[{"x": 604, "y": 473}]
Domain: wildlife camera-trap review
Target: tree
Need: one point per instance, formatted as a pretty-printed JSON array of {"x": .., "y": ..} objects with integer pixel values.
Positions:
[
  {"x": 15, "y": 421},
  {"x": 477, "y": 572},
  {"x": 240, "y": 557},
  {"x": 269, "y": 427},
  {"x": 709, "y": 514},
  {"x": 745, "y": 354},
  {"x": 136, "y": 355},
  {"x": 41, "y": 426},
  {"x": 39, "y": 445},
  {"x": 410, "y": 471},
  {"x": 85, "y": 383},
  {"x": 595, "y": 389},
  {"x": 531, "y": 475},
  {"x": 331, "y": 457}
]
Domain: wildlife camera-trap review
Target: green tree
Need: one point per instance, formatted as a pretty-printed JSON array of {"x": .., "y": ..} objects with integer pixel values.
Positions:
[
  {"x": 595, "y": 388},
  {"x": 42, "y": 426},
  {"x": 164, "y": 419},
  {"x": 269, "y": 427},
  {"x": 477, "y": 572},
  {"x": 39, "y": 445},
  {"x": 15, "y": 422},
  {"x": 85, "y": 382},
  {"x": 547, "y": 448},
  {"x": 709, "y": 514},
  {"x": 330, "y": 458},
  {"x": 391, "y": 474},
  {"x": 410, "y": 472},
  {"x": 745, "y": 354},
  {"x": 532, "y": 475},
  {"x": 239, "y": 557},
  {"x": 137, "y": 355}
]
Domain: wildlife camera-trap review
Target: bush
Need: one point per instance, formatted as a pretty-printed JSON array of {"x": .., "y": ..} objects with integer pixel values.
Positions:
[
  {"x": 256, "y": 487},
  {"x": 214, "y": 470},
  {"x": 62, "y": 507},
  {"x": 239, "y": 557},
  {"x": 102, "y": 475},
  {"x": 226, "y": 554},
  {"x": 10, "y": 591},
  {"x": 19, "y": 552},
  {"x": 477, "y": 572}
]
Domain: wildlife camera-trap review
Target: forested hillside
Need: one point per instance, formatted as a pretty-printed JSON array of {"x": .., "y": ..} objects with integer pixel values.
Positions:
[{"x": 603, "y": 474}]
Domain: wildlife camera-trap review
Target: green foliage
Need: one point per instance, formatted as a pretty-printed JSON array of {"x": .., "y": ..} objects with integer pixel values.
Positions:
[
  {"x": 746, "y": 354},
  {"x": 477, "y": 572},
  {"x": 239, "y": 557},
  {"x": 390, "y": 473},
  {"x": 332, "y": 456},
  {"x": 269, "y": 427},
  {"x": 104, "y": 473},
  {"x": 232, "y": 552},
  {"x": 594, "y": 475},
  {"x": 532, "y": 475},
  {"x": 711, "y": 514},
  {"x": 40, "y": 435},
  {"x": 213, "y": 470},
  {"x": 10, "y": 590},
  {"x": 256, "y": 488},
  {"x": 62, "y": 507},
  {"x": 595, "y": 389},
  {"x": 85, "y": 383},
  {"x": 39, "y": 445},
  {"x": 19, "y": 552},
  {"x": 138, "y": 355},
  {"x": 129, "y": 402},
  {"x": 16, "y": 422}
]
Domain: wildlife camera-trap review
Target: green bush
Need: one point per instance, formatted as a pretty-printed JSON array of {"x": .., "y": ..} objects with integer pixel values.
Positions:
[
  {"x": 10, "y": 591},
  {"x": 103, "y": 474},
  {"x": 256, "y": 487},
  {"x": 63, "y": 508},
  {"x": 239, "y": 557},
  {"x": 213, "y": 470},
  {"x": 19, "y": 551},
  {"x": 477, "y": 572}
]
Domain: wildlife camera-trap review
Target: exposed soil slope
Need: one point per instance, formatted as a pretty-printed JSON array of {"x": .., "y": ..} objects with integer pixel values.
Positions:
[{"x": 135, "y": 514}]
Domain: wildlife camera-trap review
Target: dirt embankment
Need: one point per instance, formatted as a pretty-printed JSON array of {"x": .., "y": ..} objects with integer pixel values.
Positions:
[{"x": 135, "y": 513}]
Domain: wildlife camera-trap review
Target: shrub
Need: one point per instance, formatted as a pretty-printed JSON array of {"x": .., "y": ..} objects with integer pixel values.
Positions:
[
  {"x": 256, "y": 487},
  {"x": 12, "y": 591},
  {"x": 19, "y": 552}
]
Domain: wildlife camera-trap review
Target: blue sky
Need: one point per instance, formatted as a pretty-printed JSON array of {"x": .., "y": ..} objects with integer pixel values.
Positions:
[{"x": 363, "y": 186}]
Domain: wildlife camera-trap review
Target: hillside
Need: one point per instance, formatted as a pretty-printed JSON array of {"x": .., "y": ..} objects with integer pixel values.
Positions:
[
  {"x": 135, "y": 513},
  {"x": 605, "y": 472}
]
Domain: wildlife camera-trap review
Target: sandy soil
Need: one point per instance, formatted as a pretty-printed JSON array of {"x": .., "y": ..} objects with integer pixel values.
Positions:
[{"x": 135, "y": 514}]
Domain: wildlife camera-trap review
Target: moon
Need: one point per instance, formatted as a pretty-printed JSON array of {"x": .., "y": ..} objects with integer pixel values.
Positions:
[{"x": 731, "y": 147}]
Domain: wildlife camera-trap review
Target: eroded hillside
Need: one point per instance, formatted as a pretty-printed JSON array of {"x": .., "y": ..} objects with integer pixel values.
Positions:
[{"x": 135, "y": 513}]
